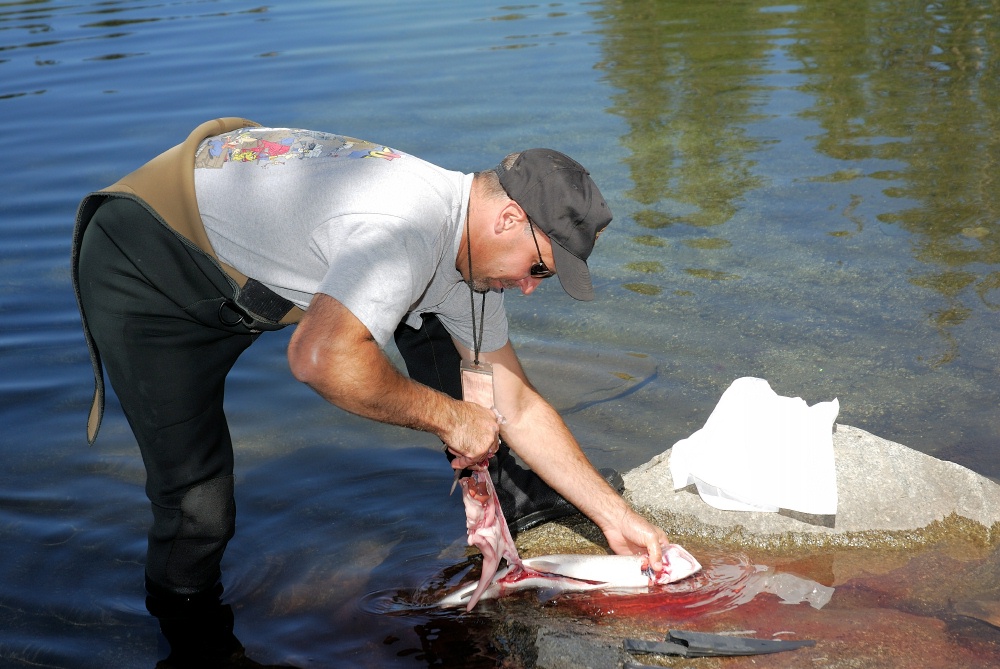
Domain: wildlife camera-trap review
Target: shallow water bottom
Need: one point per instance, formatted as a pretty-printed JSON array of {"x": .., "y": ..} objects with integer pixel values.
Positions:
[{"x": 928, "y": 608}]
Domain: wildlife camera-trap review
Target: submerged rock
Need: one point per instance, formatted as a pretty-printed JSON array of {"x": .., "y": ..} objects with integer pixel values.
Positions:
[{"x": 888, "y": 496}]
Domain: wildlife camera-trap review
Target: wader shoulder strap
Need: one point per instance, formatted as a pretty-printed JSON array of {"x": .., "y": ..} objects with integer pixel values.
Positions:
[{"x": 166, "y": 184}]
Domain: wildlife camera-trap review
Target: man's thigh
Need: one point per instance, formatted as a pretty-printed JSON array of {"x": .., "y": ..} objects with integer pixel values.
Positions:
[{"x": 154, "y": 316}]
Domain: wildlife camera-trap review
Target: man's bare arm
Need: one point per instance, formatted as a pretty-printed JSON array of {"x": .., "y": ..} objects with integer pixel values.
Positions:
[
  {"x": 335, "y": 354},
  {"x": 542, "y": 439}
]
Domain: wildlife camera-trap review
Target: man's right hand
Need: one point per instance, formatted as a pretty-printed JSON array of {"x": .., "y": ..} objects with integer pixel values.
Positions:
[{"x": 474, "y": 435}]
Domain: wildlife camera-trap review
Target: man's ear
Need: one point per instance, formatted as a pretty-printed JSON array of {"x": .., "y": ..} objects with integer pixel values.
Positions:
[{"x": 511, "y": 217}]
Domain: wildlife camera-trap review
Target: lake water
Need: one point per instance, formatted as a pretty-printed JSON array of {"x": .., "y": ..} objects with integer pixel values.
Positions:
[{"x": 806, "y": 193}]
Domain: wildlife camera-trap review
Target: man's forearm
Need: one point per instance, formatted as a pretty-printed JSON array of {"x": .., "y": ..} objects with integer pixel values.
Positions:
[
  {"x": 541, "y": 438},
  {"x": 364, "y": 382},
  {"x": 333, "y": 352},
  {"x": 538, "y": 434}
]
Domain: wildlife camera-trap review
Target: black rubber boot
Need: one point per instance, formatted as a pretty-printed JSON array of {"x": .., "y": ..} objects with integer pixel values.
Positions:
[
  {"x": 527, "y": 500},
  {"x": 198, "y": 627}
]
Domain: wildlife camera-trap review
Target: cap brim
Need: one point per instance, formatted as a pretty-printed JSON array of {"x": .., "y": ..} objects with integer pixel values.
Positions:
[{"x": 573, "y": 273}]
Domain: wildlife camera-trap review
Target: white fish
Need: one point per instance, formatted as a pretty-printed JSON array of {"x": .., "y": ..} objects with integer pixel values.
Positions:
[
  {"x": 487, "y": 531},
  {"x": 619, "y": 571},
  {"x": 579, "y": 573}
]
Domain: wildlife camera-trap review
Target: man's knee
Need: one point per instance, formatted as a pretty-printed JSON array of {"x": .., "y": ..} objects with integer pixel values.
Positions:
[{"x": 186, "y": 543}]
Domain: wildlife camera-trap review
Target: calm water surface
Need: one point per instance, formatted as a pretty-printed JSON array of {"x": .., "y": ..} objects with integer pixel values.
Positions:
[{"x": 806, "y": 193}]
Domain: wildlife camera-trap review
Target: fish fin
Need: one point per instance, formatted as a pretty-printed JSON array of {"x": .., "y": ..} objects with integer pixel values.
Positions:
[{"x": 546, "y": 595}]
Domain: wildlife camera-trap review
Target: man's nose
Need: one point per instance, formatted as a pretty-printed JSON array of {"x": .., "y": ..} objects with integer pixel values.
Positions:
[{"x": 528, "y": 285}]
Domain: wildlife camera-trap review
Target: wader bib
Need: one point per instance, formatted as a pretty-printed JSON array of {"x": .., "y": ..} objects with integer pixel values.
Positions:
[{"x": 165, "y": 188}]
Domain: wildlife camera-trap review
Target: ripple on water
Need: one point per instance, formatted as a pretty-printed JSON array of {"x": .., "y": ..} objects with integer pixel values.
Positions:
[{"x": 423, "y": 599}]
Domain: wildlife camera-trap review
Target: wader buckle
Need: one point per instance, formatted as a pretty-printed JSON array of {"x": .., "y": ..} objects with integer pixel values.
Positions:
[{"x": 240, "y": 315}]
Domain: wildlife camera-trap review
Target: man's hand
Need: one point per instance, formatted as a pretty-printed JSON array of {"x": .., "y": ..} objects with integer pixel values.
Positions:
[
  {"x": 634, "y": 535},
  {"x": 473, "y": 437}
]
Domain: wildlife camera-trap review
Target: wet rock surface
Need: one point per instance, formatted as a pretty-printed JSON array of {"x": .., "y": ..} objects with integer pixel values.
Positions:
[{"x": 911, "y": 559}]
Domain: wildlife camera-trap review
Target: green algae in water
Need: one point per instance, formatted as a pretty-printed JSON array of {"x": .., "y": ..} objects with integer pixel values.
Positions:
[
  {"x": 712, "y": 274},
  {"x": 708, "y": 243},
  {"x": 645, "y": 266},
  {"x": 948, "y": 284},
  {"x": 838, "y": 176},
  {"x": 649, "y": 240},
  {"x": 647, "y": 218},
  {"x": 643, "y": 288},
  {"x": 977, "y": 232}
]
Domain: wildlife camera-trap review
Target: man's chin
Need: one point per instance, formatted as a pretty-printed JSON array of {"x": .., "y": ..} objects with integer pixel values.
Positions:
[{"x": 491, "y": 285}]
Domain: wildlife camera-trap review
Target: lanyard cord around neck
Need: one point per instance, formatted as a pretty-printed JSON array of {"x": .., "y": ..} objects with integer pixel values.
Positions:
[{"x": 477, "y": 341}]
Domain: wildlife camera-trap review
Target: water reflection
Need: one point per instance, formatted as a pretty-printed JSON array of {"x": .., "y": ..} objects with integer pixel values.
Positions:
[
  {"x": 199, "y": 630},
  {"x": 447, "y": 637},
  {"x": 919, "y": 88},
  {"x": 689, "y": 152},
  {"x": 913, "y": 86}
]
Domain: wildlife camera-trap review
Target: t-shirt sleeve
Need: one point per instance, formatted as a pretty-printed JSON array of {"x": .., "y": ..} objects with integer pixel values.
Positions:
[{"x": 377, "y": 269}]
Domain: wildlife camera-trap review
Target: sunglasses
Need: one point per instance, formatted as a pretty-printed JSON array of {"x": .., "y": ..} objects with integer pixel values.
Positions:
[{"x": 539, "y": 270}]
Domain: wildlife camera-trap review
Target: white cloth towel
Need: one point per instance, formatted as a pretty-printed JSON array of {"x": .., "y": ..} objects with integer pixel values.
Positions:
[{"x": 759, "y": 451}]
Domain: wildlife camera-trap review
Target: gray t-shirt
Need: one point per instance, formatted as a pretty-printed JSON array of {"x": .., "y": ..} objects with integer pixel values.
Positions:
[{"x": 308, "y": 212}]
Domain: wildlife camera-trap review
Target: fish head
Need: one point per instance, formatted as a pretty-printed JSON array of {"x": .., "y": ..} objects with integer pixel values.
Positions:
[{"x": 678, "y": 564}]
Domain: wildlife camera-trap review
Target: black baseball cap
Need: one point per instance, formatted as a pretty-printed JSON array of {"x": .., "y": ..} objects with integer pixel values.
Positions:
[{"x": 559, "y": 197}]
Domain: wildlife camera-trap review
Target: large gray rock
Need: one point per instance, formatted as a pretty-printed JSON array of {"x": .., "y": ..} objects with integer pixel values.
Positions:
[{"x": 888, "y": 494}]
